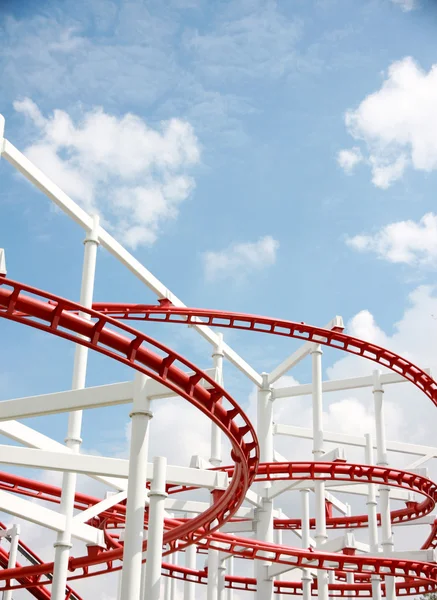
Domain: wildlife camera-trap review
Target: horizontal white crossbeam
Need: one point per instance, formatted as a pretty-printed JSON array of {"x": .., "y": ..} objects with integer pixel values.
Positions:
[
  {"x": 14, "y": 505},
  {"x": 77, "y": 214},
  {"x": 292, "y": 360},
  {"x": 337, "y": 385},
  {"x": 92, "y": 397},
  {"x": 353, "y": 440},
  {"x": 101, "y": 465},
  {"x": 279, "y": 487}
]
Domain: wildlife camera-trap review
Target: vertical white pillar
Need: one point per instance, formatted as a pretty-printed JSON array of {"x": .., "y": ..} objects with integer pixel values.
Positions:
[
  {"x": 136, "y": 492},
  {"x": 157, "y": 497},
  {"x": 168, "y": 582},
  {"x": 230, "y": 595},
  {"x": 190, "y": 563},
  {"x": 373, "y": 519},
  {"x": 216, "y": 441},
  {"x": 73, "y": 439},
  {"x": 384, "y": 491},
  {"x": 264, "y": 525},
  {"x": 215, "y": 459},
  {"x": 318, "y": 451},
  {"x": 13, "y": 553},
  {"x": 213, "y": 575},
  {"x": 221, "y": 578},
  {"x": 305, "y": 512},
  {"x": 277, "y": 536}
]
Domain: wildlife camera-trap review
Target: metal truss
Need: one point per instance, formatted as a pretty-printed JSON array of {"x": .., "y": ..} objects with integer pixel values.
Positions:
[{"x": 151, "y": 519}]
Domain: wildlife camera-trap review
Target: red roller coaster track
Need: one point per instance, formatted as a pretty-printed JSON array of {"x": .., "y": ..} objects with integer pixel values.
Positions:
[{"x": 105, "y": 334}]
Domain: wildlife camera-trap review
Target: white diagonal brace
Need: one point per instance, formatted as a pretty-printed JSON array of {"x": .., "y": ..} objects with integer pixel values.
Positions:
[
  {"x": 100, "y": 507},
  {"x": 14, "y": 505},
  {"x": 337, "y": 385},
  {"x": 65, "y": 203},
  {"x": 352, "y": 440},
  {"x": 33, "y": 439},
  {"x": 71, "y": 400},
  {"x": 110, "y": 467},
  {"x": 301, "y": 353}
]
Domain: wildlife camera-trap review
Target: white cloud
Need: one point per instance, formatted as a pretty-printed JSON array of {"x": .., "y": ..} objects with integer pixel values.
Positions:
[
  {"x": 251, "y": 40},
  {"x": 349, "y": 159},
  {"x": 406, "y": 5},
  {"x": 408, "y": 242},
  {"x": 135, "y": 176},
  {"x": 237, "y": 260},
  {"x": 398, "y": 123}
]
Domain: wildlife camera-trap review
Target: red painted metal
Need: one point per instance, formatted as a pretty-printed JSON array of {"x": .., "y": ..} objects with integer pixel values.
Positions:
[{"x": 105, "y": 334}]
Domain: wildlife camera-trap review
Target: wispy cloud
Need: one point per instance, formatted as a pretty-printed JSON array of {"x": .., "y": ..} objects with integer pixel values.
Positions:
[
  {"x": 135, "y": 176},
  {"x": 250, "y": 39},
  {"x": 406, "y": 5},
  {"x": 238, "y": 260}
]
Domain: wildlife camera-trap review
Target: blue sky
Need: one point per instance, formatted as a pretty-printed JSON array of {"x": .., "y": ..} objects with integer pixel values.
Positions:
[
  {"x": 277, "y": 139},
  {"x": 261, "y": 90}
]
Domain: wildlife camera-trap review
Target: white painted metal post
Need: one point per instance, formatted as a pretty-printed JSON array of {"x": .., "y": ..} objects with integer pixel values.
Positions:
[
  {"x": 215, "y": 459},
  {"x": 157, "y": 497},
  {"x": 13, "y": 553},
  {"x": 264, "y": 525},
  {"x": 230, "y": 595},
  {"x": 305, "y": 516},
  {"x": 213, "y": 573},
  {"x": 216, "y": 441},
  {"x": 136, "y": 491},
  {"x": 384, "y": 491},
  {"x": 318, "y": 451},
  {"x": 190, "y": 563},
  {"x": 221, "y": 579},
  {"x": 277, "y": 536},
  {"x": 373, "y": 519},
  {"x": 73, "y": 439}
]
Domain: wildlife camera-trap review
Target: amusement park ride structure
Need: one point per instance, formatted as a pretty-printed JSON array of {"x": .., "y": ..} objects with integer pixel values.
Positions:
[{"x": 156, "y": 540}]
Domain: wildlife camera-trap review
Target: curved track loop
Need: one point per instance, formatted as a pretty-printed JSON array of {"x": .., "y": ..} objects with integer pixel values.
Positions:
[
  {"x": 49, "y": 313},
  {"x": 107, "y": 336}
]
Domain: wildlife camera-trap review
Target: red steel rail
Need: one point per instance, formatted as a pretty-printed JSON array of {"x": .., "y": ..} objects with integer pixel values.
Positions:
[{"x": 105, "y": 334}]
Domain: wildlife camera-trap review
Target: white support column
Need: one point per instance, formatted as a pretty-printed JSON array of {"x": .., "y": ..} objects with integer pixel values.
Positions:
[
  {"x": 13, "y": 553},
  {"x": 157, "y": 497},
  {"x": 305, "y": 512},
  {"x": 136, "y": 491},
  {"x": 264, "y": 525},
  {"x": 169, "y": 584},
  {"x": 318, "y": 451},
  {"x": 215, "y": 459},
  {"x": 221, "y": 578},
  {"x": 373, "y": 519},
  {"x": 384, "y": 491},
  {"x": 277, "y": 536},
  {"x": 230, "y": 594},
  {"x": 73, "y": 439},
  {"x": 190, "y": 563},
  {"x": 213, "y": 575}
]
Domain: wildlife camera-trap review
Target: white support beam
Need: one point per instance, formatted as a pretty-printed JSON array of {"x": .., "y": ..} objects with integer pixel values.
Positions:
[
  {"x": 77, "y": 214},
  {"x": 196, "y": 507},
  {"x": 338, "y": 385},
  {"x": 3, "y": 270},
  {"x": 28, "y": 510},
  {"x": 33, "y": 439},
  {"x": 340, "y": 506},
  {"x": 279, "y": 487},
  {"x": 353, "y": 440},
  {"x": 358, "y": 489},
  {"x": 292, "y": 360},
  {"x": 93, "y": 511},
  {"x": 238, "y": 527},
  {"x": 71, "y": 400},
  {"x": 101, "y": 465}
]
